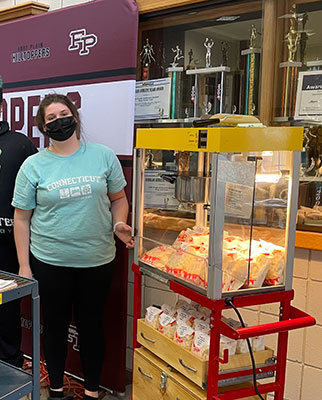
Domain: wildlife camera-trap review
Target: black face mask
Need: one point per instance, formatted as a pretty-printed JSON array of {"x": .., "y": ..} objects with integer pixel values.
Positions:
[{"x": 61, "y": 128}]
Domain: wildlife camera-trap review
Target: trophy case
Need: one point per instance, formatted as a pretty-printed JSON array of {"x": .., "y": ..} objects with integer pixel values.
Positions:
[
  {"x": 298, "y": 103},
  {"x": 309, "y": 217},
  {"x": 212, "y": 58},
  {"x": 255, "y": 59}
]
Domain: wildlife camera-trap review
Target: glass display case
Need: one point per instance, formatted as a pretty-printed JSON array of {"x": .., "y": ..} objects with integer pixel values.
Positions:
[
  {"x": 211, "y": 55},
  {"x": 215, "y": 208},
  {"x": 300, "y": 94},
  {"x": 309, "y": 216},
  {"x": 262, "y": 55}
]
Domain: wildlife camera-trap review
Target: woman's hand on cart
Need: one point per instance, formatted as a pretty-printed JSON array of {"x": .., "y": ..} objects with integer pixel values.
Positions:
[{"x": 124, "y": 233}]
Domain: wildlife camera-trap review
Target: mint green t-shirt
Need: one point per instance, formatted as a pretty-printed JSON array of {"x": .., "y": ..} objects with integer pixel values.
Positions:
[{"x": 71, "y": 223}]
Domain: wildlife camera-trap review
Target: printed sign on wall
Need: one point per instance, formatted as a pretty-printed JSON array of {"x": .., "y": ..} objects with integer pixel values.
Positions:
[
  {"x": 309, "y": 96},
  {"x": 152, "y": 99}
]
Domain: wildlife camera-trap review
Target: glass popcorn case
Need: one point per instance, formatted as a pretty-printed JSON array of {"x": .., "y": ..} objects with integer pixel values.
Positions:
[{"x": 215, "y": 208}]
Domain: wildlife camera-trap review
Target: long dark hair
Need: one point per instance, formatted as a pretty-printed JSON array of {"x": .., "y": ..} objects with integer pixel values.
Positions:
[{"x": 56, "y": 98}]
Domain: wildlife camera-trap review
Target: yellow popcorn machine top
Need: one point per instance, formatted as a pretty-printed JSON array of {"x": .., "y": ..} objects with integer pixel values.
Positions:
[{"x": 214, "y": 217}]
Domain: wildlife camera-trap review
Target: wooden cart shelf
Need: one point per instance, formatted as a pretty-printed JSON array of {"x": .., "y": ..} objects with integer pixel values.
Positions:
[{"x": 189, "y": 364}]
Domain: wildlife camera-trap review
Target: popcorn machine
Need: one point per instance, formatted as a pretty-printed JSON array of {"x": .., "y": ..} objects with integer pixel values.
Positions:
[{"x": 215, "y": 219}]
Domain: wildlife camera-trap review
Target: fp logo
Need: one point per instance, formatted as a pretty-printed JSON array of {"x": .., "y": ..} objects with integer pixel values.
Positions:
[{"x": 80, "y": 40}]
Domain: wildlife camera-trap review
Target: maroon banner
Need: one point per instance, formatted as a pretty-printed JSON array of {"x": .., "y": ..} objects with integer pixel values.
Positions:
[{"x": 88, "y": 43}]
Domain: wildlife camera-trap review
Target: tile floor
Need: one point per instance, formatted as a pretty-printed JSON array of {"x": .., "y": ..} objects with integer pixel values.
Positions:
[
  {"x": 103, "y": 396},
  {"x": 127, "y": 395}
]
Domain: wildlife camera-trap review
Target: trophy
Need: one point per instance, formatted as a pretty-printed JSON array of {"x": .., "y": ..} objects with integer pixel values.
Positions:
[
  {"x": 207, "y": 108},
  {"x": 304, "y": 35},
  {"x": 176, "y": 74},
  {"x": 190, "y": 54},
  {"x": 290, "y": 67},
  {"x": 225, "y": 47},
  {"x": 146, "y": 59},
  {"x": 252, "y": 73},
  {"x": 208, "y": 45},
  {"x": 209, "y": 82}
]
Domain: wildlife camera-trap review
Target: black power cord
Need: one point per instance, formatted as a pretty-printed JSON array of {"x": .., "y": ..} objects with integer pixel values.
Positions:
[{"x": 229, "y": 302}]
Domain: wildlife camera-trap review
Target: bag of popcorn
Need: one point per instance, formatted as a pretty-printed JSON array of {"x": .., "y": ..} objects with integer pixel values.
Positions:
[
  {"x": 201, "y": 326},
  {"x": 184, "y": 336},
  {"x": 227, "y": 343},
  {"x": 169, "y": 310},
  {"x": 152, "y": 316},
  {"x": 167, "y": 325},
  {"x": 258, "y": 343},
  {"x": 242, "y": 346},
  {"x": 201, "y": 344},
  {"x": 184, "y": 317}
]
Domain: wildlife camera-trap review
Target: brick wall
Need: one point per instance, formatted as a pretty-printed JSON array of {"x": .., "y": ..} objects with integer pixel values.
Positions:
[{"x": 304, "y": 366}]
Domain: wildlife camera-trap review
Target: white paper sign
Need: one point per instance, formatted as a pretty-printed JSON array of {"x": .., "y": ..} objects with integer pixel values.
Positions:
[
  {"x": 238, "y": 200},
  {"x": 158, "y": 193},
  {"x": 106, "y": 111},
  {"x": 152, "y": 99},
  {"x": 309, "y": 96}
]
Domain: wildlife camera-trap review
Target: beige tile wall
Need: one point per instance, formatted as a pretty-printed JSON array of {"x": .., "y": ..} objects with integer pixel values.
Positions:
[
  {"x": 304, "y": 366},
  {"x": 304, "y": 369}
]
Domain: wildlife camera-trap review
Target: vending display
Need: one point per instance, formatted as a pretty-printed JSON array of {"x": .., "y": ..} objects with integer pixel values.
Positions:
[{"x": 223, "y": 214}]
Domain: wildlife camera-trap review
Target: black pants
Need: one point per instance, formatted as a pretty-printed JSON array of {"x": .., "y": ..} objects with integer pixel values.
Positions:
[
  {"x": 10, "y": 322},
  {"x": 82, "y": 291}
]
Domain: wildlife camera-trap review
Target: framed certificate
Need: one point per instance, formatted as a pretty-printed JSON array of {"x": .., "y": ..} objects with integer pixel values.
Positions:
[
  {"x": 309, "y": 96},
  {"x": 152, "y": 99}
]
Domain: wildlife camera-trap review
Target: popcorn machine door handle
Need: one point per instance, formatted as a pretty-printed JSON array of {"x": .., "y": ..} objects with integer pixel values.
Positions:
[
  {"x": 187, "y": 367},
  {"x": 205, "y": 122},
  {"x": 147, "y": 339},
  {"x": 169, "y": 178}
]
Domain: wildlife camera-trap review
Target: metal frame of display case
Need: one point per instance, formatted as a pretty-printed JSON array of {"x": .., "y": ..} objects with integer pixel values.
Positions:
[
  {"x": 218, "y": 140},
  {"x": 15, "y": 382},
  {"x": 217, "y": 227},
  {"x": 290, "y": 318}
]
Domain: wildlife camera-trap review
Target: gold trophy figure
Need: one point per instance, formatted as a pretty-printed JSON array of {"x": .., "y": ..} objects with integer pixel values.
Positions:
[
  {"x": 253, "y": 37},
  {"x": 293, "y": 39}
]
